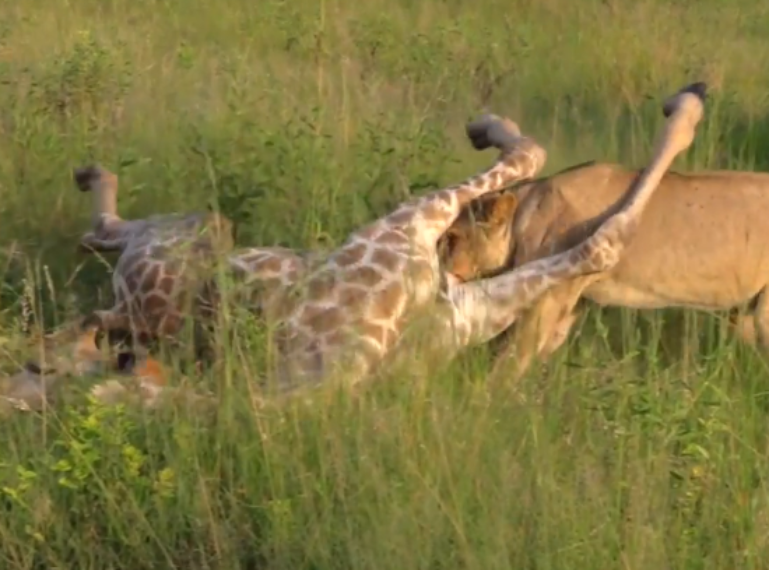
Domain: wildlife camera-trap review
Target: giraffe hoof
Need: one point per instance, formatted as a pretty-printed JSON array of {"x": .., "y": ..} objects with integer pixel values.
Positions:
[
  {"x": 86, "y": 176},
  {"x": 698, "y": 89},
  {"x": 493, "y": 131}
]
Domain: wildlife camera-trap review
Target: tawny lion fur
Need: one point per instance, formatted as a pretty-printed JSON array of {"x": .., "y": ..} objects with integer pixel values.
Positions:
[{"x": 703, "y": 243}]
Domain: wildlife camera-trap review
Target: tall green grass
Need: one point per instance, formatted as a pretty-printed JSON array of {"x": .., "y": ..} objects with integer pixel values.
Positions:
[{"x": 641, "y": 446}]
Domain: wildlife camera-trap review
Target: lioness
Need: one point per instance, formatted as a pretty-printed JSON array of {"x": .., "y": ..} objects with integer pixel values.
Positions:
[{"x": 703, "y": 243}]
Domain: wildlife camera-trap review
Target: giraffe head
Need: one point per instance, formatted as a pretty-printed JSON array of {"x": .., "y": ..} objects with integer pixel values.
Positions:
[
  {"x": 72, "y": 350},
  {"x": 39, "y": 383},
  {"x": 103, "y": 184},
  {"x": 480, "y": 242},
  {"x": 69, "y": 353}
]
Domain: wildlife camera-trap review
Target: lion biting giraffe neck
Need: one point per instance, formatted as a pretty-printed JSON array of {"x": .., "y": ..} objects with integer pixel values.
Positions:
[{"x": 350, "y": 309}]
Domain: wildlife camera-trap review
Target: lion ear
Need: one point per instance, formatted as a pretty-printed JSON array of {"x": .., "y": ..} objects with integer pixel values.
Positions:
[{"x": 503, "y": 208}]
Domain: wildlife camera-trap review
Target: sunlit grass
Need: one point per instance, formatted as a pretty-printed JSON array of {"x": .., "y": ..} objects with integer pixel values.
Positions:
[{"x": 642, "y": 445}]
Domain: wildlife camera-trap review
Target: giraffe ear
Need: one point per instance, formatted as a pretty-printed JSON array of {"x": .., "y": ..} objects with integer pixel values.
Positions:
[{"x": 502, "y": 209}]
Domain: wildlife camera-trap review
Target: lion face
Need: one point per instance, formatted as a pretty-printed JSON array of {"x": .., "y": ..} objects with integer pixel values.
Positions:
[{"x": 480, "y": 242}]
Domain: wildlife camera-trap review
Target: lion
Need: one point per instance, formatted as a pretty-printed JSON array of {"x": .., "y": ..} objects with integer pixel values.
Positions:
[{"x": 703, "y": 244}]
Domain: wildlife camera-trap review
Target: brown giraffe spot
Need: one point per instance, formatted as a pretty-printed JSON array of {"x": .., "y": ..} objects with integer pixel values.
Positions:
[
  {"x": 169, "y": 324},
  {"x": 339, "y": 337},
  {"x": 150, "y": 279},
  {"x": 366, "y": 276},
  {"x": 321, "y": 287},
  {"x": 386, "y": 259},
  {"x": 393, "y": 239},
  {"x": 291, "y": 276},
  {"x": 154, "y": 304},
  {"x": 268, "y": 263},
  {"x": 388, "y": 301},
  {"x": 351, "y": 255},
  {"x": 322, "y": 319},
  {"x": 166, "y": 285},
  {"x": 351, "y": 295}
]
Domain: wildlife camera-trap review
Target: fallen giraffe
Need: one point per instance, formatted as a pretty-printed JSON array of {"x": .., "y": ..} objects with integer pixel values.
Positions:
[
  {"x": 350, "y": 309},
  {"x": 703, "y": 244}
]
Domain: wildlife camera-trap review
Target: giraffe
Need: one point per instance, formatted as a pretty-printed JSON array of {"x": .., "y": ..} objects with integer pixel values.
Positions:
[
  {"x": 351, "y": 308},
  {"x": 162, "y": 259}
]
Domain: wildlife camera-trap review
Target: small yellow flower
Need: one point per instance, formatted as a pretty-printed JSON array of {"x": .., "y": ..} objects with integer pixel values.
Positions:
[
  {"x": 697, "y": 472},
  {"x": 164, "y": 485}
]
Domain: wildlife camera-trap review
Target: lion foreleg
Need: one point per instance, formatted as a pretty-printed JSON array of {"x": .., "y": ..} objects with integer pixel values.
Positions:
[{"x": 541, "y": 331}]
